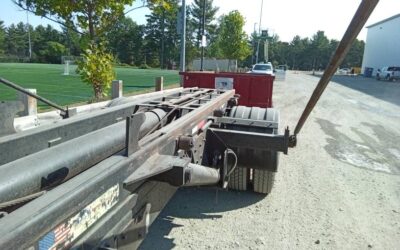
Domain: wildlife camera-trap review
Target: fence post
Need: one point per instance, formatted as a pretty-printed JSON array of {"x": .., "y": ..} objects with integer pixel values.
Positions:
[
  {"x": 159, "y": 83},
  {"x": 30, "y": 103},
  {"x": 116, "y": 90}
]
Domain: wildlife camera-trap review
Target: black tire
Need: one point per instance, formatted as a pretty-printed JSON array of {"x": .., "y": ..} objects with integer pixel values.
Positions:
[
  {"x": 239, "y": 179},
  {"x": 262, "y": 180}
]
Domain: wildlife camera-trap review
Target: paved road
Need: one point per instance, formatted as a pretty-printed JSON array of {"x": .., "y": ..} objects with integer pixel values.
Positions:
[{"x": 339, "y": 189}]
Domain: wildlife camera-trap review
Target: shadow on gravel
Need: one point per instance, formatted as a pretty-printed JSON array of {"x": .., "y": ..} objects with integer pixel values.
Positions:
[
  {"x": 384, "y": 90},
  {"x": 194, "y": 203}
]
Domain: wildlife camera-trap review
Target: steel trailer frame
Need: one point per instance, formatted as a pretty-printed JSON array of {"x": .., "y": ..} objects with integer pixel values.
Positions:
[
  {"x": 140, "y": 177},
  {"x": 112, "y": 203}
]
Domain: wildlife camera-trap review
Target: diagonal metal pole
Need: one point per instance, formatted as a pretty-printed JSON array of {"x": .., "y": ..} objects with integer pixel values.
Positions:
[
  {"x": 42, "y": 99},
  {"x": 360, "y": 18}
]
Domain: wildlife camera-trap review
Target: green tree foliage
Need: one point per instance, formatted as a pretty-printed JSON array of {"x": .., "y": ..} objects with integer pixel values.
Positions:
[
  {"x": 278, "y": 51},
  {"x": 125, "y": 40},
  {"x": 52, "y": 52},
  {"x": 162, "y": 40},
  {"x": 319, "y": 50},
  {"x": 296, "y": 48},
  {"x": 157, "y": 43},
  {"x": 88, "y": 17},
  {"x": 2, "y": 37},
  {"x": 17, "y": 40},
  {"x": 232, "y": 40},
  {"x": 45, "y": 41},
  {"x": 92, "y": 19},
  {"x": 96, "y": 69},
  {"x": 194, "y": 23},
  {"x": 355, "y": 55},
  {"x": 72, "y": 42},
  {"x": 314, "y": 53}
]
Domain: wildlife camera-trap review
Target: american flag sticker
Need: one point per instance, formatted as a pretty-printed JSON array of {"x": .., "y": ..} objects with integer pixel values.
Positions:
[
  {"x": 59, "y": 238},
  {"x": 63, "y": 235}
]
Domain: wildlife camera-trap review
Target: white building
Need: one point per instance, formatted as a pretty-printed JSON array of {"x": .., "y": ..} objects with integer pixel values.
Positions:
[{"x": 382, "y": 47}]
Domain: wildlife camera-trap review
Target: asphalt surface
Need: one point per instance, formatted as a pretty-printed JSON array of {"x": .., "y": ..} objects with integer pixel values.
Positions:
[{"x": 339, "y": 189}]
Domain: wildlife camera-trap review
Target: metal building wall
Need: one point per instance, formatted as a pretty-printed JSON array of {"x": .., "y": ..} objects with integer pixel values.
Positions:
[{"x": 382, "y": 47}]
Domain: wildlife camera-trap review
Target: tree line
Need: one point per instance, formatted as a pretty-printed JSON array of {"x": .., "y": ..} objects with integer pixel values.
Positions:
[
  {"x": 47, "y": 43},
  {"x": 156, "y": 44}
]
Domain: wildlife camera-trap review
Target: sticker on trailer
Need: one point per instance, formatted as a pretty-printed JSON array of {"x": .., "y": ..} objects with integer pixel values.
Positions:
[
  {"x": 223, "y": 83},
  {"x": 62, "y": 236}
]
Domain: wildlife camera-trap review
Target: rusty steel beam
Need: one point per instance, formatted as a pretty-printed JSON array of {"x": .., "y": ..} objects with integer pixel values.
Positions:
[{"x": 360, "y": 18}]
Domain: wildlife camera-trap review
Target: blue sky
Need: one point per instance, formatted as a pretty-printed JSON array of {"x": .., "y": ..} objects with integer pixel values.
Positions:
[
  {"x": 285, "y": 18},
  {"x": 10, "y": 13}
]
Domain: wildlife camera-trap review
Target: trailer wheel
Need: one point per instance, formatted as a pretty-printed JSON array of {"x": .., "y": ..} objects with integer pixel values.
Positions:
[
  {"x": 262, "y": 180},
  {"x": 240, "y": 177}
]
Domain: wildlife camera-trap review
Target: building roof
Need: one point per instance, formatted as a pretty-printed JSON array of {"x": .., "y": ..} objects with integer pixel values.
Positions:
[{"x": 384, "y": 20}]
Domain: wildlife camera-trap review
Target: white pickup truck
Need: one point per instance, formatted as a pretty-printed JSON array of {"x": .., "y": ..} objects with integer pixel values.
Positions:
[{"x": 388, "y": 73}]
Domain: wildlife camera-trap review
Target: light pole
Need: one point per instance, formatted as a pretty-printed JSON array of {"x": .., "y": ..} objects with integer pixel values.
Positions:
[
  {"x": 183, "y": 39},
  {"x": 203, "y": 36},
  {"x": 259, "y": 27},
  {"x": 254, "y": 44},
  {"x": 259, "y": 31},
  {"x": 183, "y": 36},
  {"x": 29, "y": 35}
]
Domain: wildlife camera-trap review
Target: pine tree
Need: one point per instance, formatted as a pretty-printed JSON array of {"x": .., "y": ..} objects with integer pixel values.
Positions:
[{"x": 196, "y": 20}]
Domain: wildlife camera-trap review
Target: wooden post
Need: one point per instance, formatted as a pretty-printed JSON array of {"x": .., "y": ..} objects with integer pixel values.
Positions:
[
  {"x": 159, "y": 83},
  {"x": 30, "y": 103},
  {"x": 116, "y": 90}
]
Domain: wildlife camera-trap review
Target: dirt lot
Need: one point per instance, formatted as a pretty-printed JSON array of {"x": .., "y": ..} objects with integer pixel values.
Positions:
[{"x": 339, "y": 189}]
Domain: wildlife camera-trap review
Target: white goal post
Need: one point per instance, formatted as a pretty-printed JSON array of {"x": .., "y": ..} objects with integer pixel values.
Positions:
[{"x": 70, "y": 64}]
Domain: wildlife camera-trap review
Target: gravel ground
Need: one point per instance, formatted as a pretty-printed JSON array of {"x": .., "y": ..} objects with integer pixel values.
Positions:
[{"x": 339, "y": 189}]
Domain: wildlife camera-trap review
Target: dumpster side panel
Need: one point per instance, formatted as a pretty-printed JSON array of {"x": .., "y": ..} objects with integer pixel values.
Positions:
[
  {"x": 201, "y": 80},
  {"x": 255, "y": 90},
  {"x": 260, "y": 93}
]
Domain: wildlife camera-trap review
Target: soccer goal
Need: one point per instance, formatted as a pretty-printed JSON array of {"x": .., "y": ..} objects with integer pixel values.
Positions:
[{"x": 70, "y": 64}]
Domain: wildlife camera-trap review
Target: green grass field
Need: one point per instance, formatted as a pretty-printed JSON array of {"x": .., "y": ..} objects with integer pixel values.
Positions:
[{"x": 49, "y": 81}]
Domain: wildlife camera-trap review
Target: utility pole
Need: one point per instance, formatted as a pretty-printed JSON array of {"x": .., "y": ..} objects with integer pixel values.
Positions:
[
  {"x": 183, "y": 39},
  {"x": 254, "y": 44},
  {"x": 162, "y": 38},
  {"x": 203, "y": 36},
  {"x": 261, "y": 10},
  {"x": 29, "y": 35},
  {"x": 259, "y": 31}
]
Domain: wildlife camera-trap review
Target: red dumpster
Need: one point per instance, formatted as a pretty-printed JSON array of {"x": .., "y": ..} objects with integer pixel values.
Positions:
[{"x": 255, "y": 90}]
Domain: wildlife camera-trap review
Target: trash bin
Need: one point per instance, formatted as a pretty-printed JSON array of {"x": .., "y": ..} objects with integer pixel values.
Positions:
[
  {"x": 368, "y": 71},
  {"x": 255, "y": 90}
]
